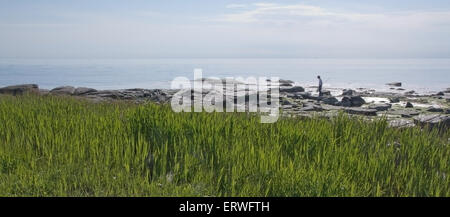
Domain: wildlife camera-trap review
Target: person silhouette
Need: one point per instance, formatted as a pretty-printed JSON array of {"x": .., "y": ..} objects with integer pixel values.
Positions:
[{"x": 320, "y": 86}]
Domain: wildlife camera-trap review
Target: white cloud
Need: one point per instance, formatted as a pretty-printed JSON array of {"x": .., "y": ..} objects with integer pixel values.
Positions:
[
  {"x": 264, "y": 4},
  {"x": 236, "y": 6},
  {"x": 308, "y": 14},
  {"x": 253, "y": 30}
]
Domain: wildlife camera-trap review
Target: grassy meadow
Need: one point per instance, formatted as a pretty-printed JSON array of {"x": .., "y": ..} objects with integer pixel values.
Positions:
[{"x": 62, "y": 146}]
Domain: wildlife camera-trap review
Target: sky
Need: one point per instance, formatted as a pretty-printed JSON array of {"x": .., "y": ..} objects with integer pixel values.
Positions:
[{"x": 224, "y": 29}]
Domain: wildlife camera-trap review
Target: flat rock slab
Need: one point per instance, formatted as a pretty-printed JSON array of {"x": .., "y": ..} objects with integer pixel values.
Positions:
[
  {"x": 433, "y": 120},
  {"x": 311, "y": 107},
  {"x": 380, "y": 107},
  {"x": 361, "y": 111},
  {"x": 435, "y": 109},
  {"x": 84, "y": 90},
  {"x": 409, "y": 114}
]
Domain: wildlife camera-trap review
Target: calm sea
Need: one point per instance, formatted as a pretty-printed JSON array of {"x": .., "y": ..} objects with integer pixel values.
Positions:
[{"x": 423, "y": 75}]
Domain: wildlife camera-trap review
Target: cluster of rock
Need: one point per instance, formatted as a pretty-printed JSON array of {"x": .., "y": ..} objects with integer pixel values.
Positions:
[
  {"x": 397, "y": 107},
  {"x": 156, "y": 95},
  {"x": 294, "y": 100}
]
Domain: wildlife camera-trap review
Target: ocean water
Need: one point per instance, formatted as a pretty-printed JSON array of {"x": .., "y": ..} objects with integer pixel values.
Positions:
[{"x": 422, "y": 75}]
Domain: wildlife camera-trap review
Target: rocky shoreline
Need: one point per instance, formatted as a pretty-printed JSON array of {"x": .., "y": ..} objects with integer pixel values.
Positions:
[{"x": 402, "y": 108}]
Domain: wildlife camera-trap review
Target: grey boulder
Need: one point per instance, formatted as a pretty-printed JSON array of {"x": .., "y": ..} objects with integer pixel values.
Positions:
[
  {"x": 292, "y": 89},
  {"x": 352, "y": 101},
  {"x": 20, "y": 89},
  {"x": 330, "y": 100}
]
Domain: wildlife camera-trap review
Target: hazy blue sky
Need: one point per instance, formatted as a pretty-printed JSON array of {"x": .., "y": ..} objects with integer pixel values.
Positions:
[{"x": 218, "y": 28}]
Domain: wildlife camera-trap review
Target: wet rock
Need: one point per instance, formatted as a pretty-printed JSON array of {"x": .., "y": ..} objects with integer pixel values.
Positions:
[
  {"x": 409, "y": 105},
  {"x": 361, "y": 111},
  {"x": 330, "y": 100},
  {"x": 348, "y": 92},
  {"x": 395, "y": 84},
  {"x": 65, "y": 90},
  {"x": 345, "y": 102},
  {"x": 20, "y": 89},
  {"x": 408, "y": 114},
  {"x": 83, "y": 90},
  {"x": 435, "y": 120},
  {"x": 440, "y": 94},
  {"x": 380, "y": 107},
  {"x": 352, "y": 101},
  {"x": 357, "y": 101},
  {"x": 435, "y": 109},
  {"x": 292, "y": 89},
  {"x": 401, "y": 89}
]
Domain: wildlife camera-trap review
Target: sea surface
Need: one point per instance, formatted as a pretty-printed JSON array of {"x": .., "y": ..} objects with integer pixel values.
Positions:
[{"x": 422, "y": 75}]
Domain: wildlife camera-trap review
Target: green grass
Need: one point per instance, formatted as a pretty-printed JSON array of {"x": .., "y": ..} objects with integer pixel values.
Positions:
[{"x": 56, "y": 146}]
